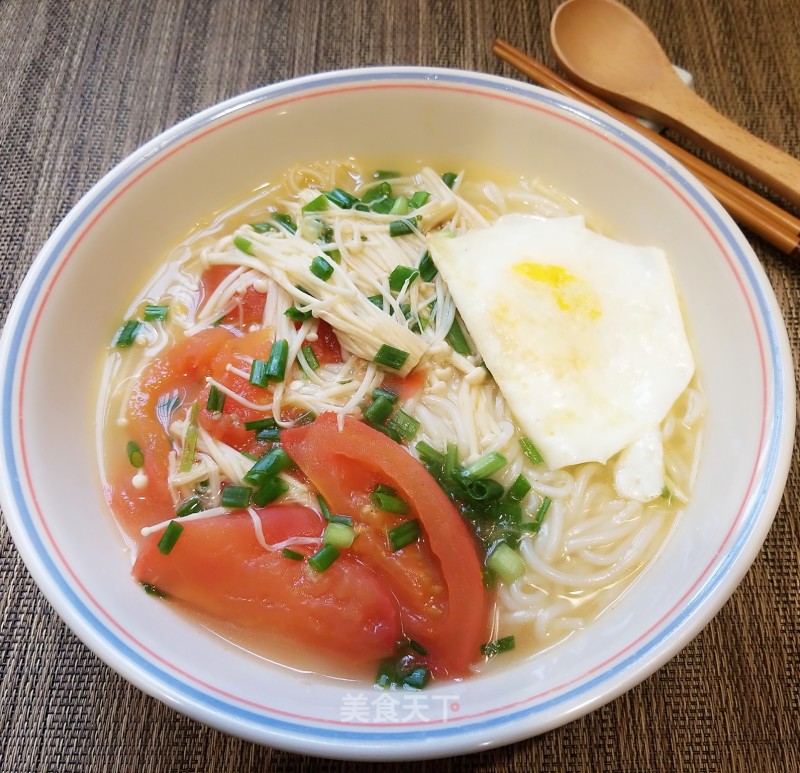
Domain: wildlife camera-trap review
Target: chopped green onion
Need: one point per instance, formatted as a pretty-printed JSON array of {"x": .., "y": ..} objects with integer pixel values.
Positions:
[
  {"x": 418, "y": 678},
  {"x": 388, "y": 394},
  {"x": 321, "y": 269},
  {"x": 286, "y": 221},
  {"x": 304, "y": 418},
  {"x": 378, "y": 410},
  {"x": 400, "y": 206},
  {"x": 126, "y": 335},
  {"x": 152, "y": 312},
  {"x": 341, "y": 198},
  {"x": 538, "y": 519},
  {"x": 323, "y": 558},
  {"x": 483, "y": 490},
  {"x": 376, "y": 300},
  {"x": 666, "y": 493},
  {"x": 451, "y": 466},
  {"x": 292, "y": 554},
  {"x": 338, "y": 535},
  {"x": 262, "y": 228},
  {"x": 455, "y": 337},
  {"x": 323, "y": 508},
  {"x": 335, "y": 255},
  {"x": 485, "y": 467},
  {"x": 428, "y": 454},
  {"x": 427, "y": 268},
  {"x": 268, "y": 466},
  {"x": 383, "y": 206},
  {"x": 417, "y": 647},
  {"x": 188, "y": 506},
  {"x": 236, "y": 496},
  {"x": 276, "y": 364},
  {"x": 530, "y": 450},
  {"x": 404, "y": 534},
  {"x": 258, "y": 374},
  {"x": 377, "y": 192},
  {"x": 388, "y": 431},
  {"x": 492, "y": 648},
  {"x": 402, "y": 227},
  {"x": 216, "y": 400},
  {"x": 311, "y": 358},
  {"x": 419, "y": 199},
  {"x": 269, "y": 491},
  {"x": 319, "y": 204},
  {"x": 190, "y": 440},
  {"x": 404, "y": 425},
  {"x": 449, "y": 179},
  {"x": 385, "y": 174},
  {"x": 508, "y": 564},
  {"x": 169, "y": 537},
  {"x": 382, "y": 488},
  {"x": 390, "y": 357},
  {"x": 151, "y": 590},
  {"x": 519, "y": 489},
  {"x": 389, "y": 503},
  {"x": 400, "y": 276},
  {"x": 260, "y": 424},
  {"x": 296, "y": 315},
  {"x": 135, "y": 455},
  {"x": 245, "y": 245}
]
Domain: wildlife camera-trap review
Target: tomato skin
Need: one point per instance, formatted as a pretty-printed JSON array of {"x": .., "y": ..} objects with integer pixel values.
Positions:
[
  {"x": 326, "y": 348},
  {"x": 444, "y": 568},
  {"x": 249, "y": 309},
  {"x": 218, "y": 567}
]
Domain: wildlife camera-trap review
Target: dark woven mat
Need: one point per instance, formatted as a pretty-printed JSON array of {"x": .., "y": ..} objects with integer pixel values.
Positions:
[{"x": 84, "y": 82}]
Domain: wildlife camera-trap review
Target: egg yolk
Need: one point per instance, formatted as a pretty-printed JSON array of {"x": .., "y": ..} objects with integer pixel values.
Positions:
[{"x": 569, "y": 292}]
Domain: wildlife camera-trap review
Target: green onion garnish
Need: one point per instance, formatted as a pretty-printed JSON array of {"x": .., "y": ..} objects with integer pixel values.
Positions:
[
  {"x": 389, "y": 503},
  {"x": 269, "y": 491},
  {"x": 335, "y": 255},
  {"x": 404, "y": 425},
  {"x": 152, "y": 312},
  {"x": 538, "y": 519},
  {"x": 377, "y": 192},
  {"x": 449, "y": 179},
  {"x": 508, "y": 564},
  {"x": 455, "y": 337},
  {"x": 383, "y": 206},
  {"x": 245, "y": 245},
  {"x": 268, "y": 425},
  {"x": 404, "y": 534},
  {"x": 427, "y": 268},
  {"x": 126, "y": 335},
  {"x": 236, "y": 497},
  {"x": 258, "y": 374},
  {"x": 529, "y": 449},
  {"x": 519, "y": 489},
  {"x": 188, "y": 506},
  {"x": 319, "y": 204},
  {"x": 390, "y": 357},
  {"x": 323, "y": 558},
  {"x": 190, "y": 441},
  {"x": 451, "y": 465},
  {"x": 376, "y": 300},
  {"x": 419, "y": 199},
  {"x": 385, "y": 174},
  {"x": 341, "y": 198},
  {"x": 216, "y": 400},
  {"x": 484, "y": 467},
  {"x": 296, "y": 315},
  {"x": 388, "y": 394},
  {"x": 151, "y": 590},
  {"x": 276, "y": 364},
  {"x": 262, "y": 228},
  {"x": 428, "y": 454},
  {"x": 169, "y": 537},
  {"x": 285, "y": 221},
  {"x": 492, "y": 648},
  {"x": 402, "y": 227},
  {"x": 268, "y": 466},
  {"x": 483, "y": 490},
  {"x": 311, "y": 358},
  {"x": 345, "y": 520},
  {"x": 135, "y": 455},
  {"x": 418, "y": 678},
  {"x": 378, "y": 410},
  {"x": 400, "y": 276},
  {"x": 400, "y": 206},
  {"x": 321, "y": 269},
  {"x": 293, "y": 554},
  {"x": 338, "y": 535}
]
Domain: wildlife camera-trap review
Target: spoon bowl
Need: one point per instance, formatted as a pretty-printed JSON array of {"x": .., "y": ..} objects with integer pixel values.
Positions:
[{"x": 611, "y": 52}]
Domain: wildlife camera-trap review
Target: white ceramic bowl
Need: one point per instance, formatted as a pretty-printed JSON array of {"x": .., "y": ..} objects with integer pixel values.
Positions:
[{"x": 88, "y": 272}]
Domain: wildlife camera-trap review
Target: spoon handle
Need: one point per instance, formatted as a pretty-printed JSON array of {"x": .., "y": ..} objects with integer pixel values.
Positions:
[{"x": 694, "y": 117}]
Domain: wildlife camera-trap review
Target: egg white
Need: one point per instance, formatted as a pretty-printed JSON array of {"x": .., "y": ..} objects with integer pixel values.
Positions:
[{"x": 582, "y": 334}]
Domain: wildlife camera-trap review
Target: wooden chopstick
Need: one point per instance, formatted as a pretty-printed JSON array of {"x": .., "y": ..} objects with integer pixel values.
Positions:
[{"x": 762, "y": 217}]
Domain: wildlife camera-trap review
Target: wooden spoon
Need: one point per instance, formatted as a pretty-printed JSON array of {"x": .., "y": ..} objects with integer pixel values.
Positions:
[{"x": 611, "y": 52}]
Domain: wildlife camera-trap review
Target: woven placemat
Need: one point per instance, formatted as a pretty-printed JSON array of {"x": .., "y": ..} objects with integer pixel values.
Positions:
[{"x": 84, "y": 83}]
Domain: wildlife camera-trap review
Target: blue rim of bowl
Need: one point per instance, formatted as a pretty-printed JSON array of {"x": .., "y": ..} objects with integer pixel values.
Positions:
[{"x": 587, "y": 693}]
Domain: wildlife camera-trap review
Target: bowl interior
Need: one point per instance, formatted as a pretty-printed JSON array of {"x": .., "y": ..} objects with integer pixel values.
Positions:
[{"x": 89, "y": 272}]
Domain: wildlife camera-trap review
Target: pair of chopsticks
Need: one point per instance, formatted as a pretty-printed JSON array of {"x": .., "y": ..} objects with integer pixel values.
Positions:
[{"x": 762, "y": 217}]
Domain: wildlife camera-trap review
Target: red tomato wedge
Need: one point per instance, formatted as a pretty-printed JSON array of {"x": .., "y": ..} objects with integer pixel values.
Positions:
[
  {"x": 249, "y": 308},
  {"x": 218, "y": 567},
  {"x": 437, "y": 581}
]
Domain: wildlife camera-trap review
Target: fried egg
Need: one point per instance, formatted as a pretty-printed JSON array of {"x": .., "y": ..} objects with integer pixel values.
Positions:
[{"x": 582, "y": 334}]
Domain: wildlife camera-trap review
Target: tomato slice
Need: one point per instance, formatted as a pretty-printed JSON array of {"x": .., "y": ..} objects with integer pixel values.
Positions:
[
  {"x": 249, "y": 309},
  {"x": 437, "y": 581},
  {"x": 218, "y": 567}
]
